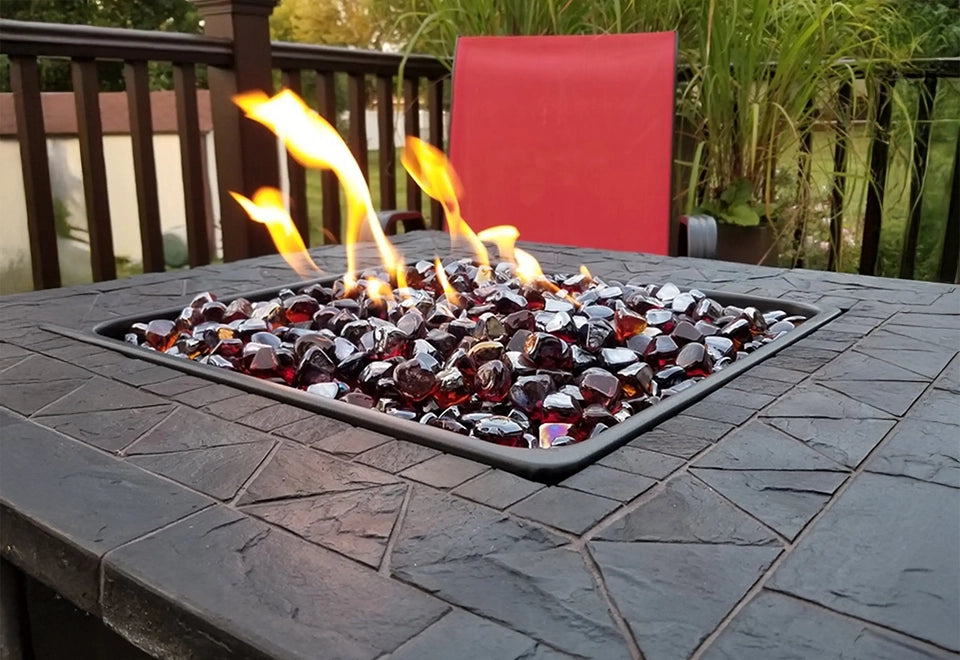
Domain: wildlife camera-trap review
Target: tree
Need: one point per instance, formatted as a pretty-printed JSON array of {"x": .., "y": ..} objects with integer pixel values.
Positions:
[
  {"x": 163, "y": 15},
  {"x": 371, "y": 24}
]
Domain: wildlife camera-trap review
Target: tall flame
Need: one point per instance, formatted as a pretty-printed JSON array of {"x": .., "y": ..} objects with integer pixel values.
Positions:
[
  {"x": 451, "y": 293},
  {"x": 315, "y": 143},
  {"x": 432, "y": 171},
  {"x": 267, "y": 207}
]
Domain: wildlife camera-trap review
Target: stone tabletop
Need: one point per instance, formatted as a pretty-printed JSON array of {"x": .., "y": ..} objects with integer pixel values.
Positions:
[{"x": 810, "y": 508}]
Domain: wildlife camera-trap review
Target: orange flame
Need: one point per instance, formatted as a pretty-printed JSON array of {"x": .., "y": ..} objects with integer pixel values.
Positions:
[
  {"x": 586, "y": 272},
  {"x": 315, "y": 143},
  {"x": 452, "y": 296},
  {"x": 267, "y": 207},
  {"x": 432, "y": 171},
  {"x": 378, "y": 289},
  {"x": 504, "y": 237}
]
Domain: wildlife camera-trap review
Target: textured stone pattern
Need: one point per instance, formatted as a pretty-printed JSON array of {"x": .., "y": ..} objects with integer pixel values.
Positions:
[{"x": 808, "y": 509}]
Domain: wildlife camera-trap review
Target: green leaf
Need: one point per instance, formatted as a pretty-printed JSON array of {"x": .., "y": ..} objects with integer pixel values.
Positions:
[
  {"x": 738, "y": 192},
  {"x": 741, "y": 214}
]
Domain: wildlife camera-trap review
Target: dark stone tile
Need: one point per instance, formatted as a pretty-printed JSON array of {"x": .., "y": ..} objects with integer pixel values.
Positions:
[
  {"x": 269, "y": 419},
  {"x": 695, "y": 427},
  {"x": 607, "y": 482},
  {"x": 854, "y": 365},
  {"x": 354, "y": 523},
  {"x": 396, "y": 456},
  {"x": 137, "y": 372},
  {"x": 927, "y": 364},
  {"x": 758, "y": 446},
  {"x": 640, "y": 461},
  {"x": 818, "y": 401},
  {"x": 188, "y": 429},
  {"x": 37, "y": 382},
  {"x": 950, "y": 378},
  {"x": 713, "y": 411},
  {"x": 770, "y": 371},
  {"x": 440, "y": 529},
  {"x": 206, "y": 395},
  {"x": 497, "y": 488},
  {"x": 569, "y": 510},
  {"x": 470, "y": 636},
  {"x": 296, "y": 471},
  {"x": 309, "y": 431},
  {"x": 12, "y": 352},
  {"x": 933, "y": 337},
  {"x": 177, "y": 386},
  {"x": 776, "y": 627},
  {"x": 111, "y": 430},
  {"x": 886, "y": 551},
  {"x": 938, "y": 406},
  {"x": 99, "y": 394},
  {"x": 351, "y": 442},
  {"x": 686, "y": 511},
  {"x": 239, "y": 406},
  {"x": 799, "y": 364},
  {"x": 738, "y": 398},
  {"x": 847, "y": 441},
  {"x": 921, "y": 320},
  {"x": 249, "y": 590},
  {"x": 748, "y": 383},
  {"x": 674, "y": 595},
  {"x": 63, "y": 505},
  {"x": 444, "y": 471},
  {"x": 929, "y": 451},
  {"x": 894, "y": 397},
  {"x": 505, "y": 570},
  {"x": 670, "y": 444},
  {"x": 785, "y": 500},
  {"x": 216, "y": 471}
]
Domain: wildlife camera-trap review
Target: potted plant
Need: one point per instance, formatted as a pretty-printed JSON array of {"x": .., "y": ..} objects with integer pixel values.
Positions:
[{"x": 759, "y": 74}]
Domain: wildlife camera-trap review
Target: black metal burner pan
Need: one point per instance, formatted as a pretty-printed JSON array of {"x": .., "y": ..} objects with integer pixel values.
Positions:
[{"x": 547, "y": 466}]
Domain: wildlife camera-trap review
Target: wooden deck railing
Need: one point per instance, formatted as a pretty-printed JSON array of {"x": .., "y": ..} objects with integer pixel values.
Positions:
[{"x": 238, "y": 55}]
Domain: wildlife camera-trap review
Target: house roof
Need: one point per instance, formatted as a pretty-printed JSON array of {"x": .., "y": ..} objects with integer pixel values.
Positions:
[{"x": 60, "y": 114}]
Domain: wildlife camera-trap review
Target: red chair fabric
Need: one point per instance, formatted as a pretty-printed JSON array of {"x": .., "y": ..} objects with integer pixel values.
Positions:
[{"x": 567, "y": 137}]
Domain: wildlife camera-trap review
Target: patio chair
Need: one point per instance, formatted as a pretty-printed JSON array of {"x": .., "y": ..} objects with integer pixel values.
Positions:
[{"x": 570, "y": 138}]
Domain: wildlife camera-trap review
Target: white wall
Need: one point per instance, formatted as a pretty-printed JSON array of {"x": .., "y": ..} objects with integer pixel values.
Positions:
[{"x": 67, "y": 185}]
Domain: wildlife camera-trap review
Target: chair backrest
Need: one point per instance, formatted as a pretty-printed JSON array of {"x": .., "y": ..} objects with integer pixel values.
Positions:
[{"x": 567, "y": 137}]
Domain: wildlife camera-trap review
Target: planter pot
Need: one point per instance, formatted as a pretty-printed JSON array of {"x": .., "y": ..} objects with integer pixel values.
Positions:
[{"x": 747, "y": 245}]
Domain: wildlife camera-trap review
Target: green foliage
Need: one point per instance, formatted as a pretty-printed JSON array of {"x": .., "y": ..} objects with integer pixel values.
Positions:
[
  {"x": 733, "y": 205},
  {"x": 164, "y": 15}
]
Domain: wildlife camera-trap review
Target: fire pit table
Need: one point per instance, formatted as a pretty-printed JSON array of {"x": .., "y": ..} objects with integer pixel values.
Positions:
[{"x": 806, "y": 507}]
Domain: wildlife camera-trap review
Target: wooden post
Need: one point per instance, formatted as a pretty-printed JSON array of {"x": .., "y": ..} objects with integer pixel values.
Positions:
[{"x": 245, "y": 150}]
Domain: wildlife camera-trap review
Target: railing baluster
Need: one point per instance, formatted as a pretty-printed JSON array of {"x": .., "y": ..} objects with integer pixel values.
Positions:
[
  {"x": 921, "y": 144},
  {"x": 388, "y": 171},
  {"x": 86, "y": 94},
  {"x": 879, "y": 148},
  {"x": 191, "y": 165},
  {"x": 144, "y": 165},
  {"x": 357, "y": 105},
  {"x": 41, "y": 226},
  {"x": 950, "y": 256},
  {"x": 296, "y": 173},
  {"x": 411, "y": 126},
  {"x": 839, "y": 177},
  {"x": 327, "y": 104},
  {"x": 435, "y": 107}
]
